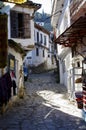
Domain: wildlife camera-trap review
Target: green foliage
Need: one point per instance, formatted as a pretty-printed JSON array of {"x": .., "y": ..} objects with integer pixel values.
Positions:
[{"x": 43, "y": 17}]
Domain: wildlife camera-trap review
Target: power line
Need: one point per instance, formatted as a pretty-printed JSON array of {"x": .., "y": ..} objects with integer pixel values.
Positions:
[{"x": 53, "y": 14}]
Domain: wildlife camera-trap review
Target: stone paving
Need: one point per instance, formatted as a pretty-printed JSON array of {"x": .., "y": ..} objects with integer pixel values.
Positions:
[{"x": 44, "y": 107}]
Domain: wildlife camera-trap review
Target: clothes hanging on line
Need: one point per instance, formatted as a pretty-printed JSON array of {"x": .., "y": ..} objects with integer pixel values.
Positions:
[{"x": 5, "y": 88}]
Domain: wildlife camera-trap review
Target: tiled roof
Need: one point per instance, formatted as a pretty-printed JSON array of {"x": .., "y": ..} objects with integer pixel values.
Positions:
[{"x": 42, "y": 29}]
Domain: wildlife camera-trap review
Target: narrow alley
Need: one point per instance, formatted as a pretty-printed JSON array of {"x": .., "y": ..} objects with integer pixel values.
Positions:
[{"x": 44, "y": 107}]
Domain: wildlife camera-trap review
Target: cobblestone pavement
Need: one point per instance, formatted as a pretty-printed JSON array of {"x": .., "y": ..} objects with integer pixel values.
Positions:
[{"x": 44, "y": 107}]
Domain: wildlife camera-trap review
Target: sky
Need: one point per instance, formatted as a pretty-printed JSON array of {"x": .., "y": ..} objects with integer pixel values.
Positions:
[{"x": 46, "y": 5}]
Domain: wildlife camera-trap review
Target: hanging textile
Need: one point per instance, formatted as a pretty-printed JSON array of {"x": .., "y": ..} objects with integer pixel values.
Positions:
[
  {"x": 9, "y": 84},
  {"x": 4, "y": 94},
  {"x": 5, "y": 88}
]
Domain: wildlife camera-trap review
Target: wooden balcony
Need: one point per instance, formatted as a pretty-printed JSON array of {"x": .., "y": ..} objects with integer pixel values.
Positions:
[{"x": 77, "y": 9}]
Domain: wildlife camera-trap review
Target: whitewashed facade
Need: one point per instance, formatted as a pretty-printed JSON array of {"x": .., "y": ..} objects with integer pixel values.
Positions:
[
  {"x": 43, "y": 50},
  {"x": 60, "y": 22},
  {"x": 64, "y": 14},
  {"x": 21, "y": 26},
  {"x": 17, "y": 61},
  {"x": 21, "y": 23},
  {"x": 20, "y": 31}
]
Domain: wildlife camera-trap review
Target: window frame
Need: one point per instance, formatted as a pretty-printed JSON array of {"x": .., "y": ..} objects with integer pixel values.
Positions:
[{"x": 37, "y": 51}]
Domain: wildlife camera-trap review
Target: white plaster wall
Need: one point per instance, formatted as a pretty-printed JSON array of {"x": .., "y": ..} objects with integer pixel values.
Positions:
[
  {"x": 61, "y": 72},
  {"x": 28, "y": 58},
  {"x": 18, "y": 58},
  {"x": 16, "y": 54},
  {"x": 27, "y": 41},
  {"x": 44, "y": 34},
  {"x": 68, "y": 67},
  {"x": 36, "y": 60},
  {"x": 63, "y": 24},
  {"x": 9, "y": 26},
  {"x": 64, "y": 74}
]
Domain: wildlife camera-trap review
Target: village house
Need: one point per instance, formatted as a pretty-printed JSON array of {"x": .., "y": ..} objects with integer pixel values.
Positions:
[
  {"x": 41, "y": 57},
  {"x": 70, "y": 24},
  {"x": 20, "y": 26},
  {"x": 17, "y": 28},
  {"x": 60, "y": 22}
]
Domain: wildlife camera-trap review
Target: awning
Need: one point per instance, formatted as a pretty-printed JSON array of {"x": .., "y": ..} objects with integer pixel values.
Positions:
[{"x": 74, "y": 34}]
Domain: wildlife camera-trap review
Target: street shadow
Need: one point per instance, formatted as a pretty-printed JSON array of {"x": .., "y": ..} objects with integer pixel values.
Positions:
[
  {"x": 47, "y": 116},
  {"x": 36, "y": 113},
  {"x": 52, "y": 110},
  {"x": 41, "y": 108}
]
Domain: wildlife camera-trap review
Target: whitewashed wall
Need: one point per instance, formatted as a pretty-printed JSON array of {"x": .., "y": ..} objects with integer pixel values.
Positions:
[
  {"x": 18, "y": 57},
  {"x": 36, "y": 60},
  {"x": 27, "y": 41}
]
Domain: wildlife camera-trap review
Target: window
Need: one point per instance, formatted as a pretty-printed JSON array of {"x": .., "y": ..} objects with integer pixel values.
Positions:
[
  {"x": 29, "y": 57},
  {"x": 37, "y": 52},
  {"x": 78, "y": 64},
  {"x": 44, "y": 40},
  {"x": 37, "y": 36},
  {"x": 41, "y": 39},
  {"x": 20, "y": 25},
  {"x": 48, "y": 55},
  {"x": 43, "y": 53},
  {"x": 11, "y": 62}
]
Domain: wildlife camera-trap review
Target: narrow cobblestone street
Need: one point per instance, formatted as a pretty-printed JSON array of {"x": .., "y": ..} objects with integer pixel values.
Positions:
[{"x": 44, "y": 107}]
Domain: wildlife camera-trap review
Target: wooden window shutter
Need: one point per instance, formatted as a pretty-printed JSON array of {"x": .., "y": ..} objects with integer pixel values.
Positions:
[
  {"x": 27, "y": 26},
  {"x": 14, "y": 24}
]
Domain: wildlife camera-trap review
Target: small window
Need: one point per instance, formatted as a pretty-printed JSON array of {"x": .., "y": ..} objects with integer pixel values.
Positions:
[
  {"x": 78, "y": 64},
  {"x": 43, "y": 53},
  {"x": 41, "y": 40},
  {"x": 37, "y": 36},
  {"x": 48, "y": 55},
  {"x": 29, "y": 57},
  {"x": 44, "y": 40},
  {"x": 37, "y": 52}
]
